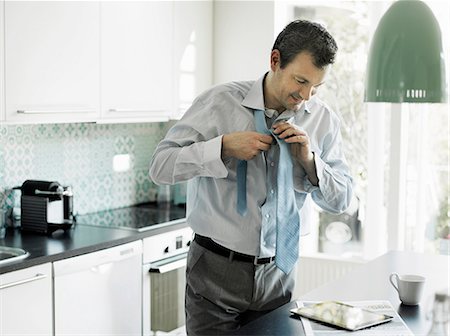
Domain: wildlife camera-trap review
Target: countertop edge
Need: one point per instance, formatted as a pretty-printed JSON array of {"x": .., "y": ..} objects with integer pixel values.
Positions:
[{"x": 133, "y": 236}]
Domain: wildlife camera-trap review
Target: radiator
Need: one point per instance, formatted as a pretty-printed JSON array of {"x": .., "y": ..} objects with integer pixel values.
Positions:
[{"x": 314, "y": 271}]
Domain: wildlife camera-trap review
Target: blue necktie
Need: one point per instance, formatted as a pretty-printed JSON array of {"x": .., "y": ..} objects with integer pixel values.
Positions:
[
  {"x": 241, "y": 172},
  {"x": 288, "y": 220}
]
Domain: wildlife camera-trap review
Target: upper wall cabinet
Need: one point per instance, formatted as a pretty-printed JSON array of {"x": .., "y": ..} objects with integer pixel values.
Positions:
[
  {"x": 107, "y": 61},
  {"x": 136, "y": 60},
  {"x": 51, "y": 61},
  {"x": 255, "y": 38},
  {"x": 193, "y": 30}
]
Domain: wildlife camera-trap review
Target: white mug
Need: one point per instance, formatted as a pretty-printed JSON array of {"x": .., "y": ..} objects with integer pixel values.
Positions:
[{"x": 409, "y": 287}]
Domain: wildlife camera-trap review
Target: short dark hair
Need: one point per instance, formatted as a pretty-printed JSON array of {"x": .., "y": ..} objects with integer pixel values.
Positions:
[{"x": 302, "y": 35}]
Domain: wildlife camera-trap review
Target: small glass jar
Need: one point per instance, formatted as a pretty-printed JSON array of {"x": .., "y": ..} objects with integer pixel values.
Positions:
[
  {"x": 440, "y": 315},
  {"x": 3, "y": 218},
  {"x": 164, "y": 196}
]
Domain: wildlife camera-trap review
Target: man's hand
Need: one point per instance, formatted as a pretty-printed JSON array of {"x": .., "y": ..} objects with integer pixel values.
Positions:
[
  {"x": 299, "y": 139},
  {"x": 244, "y": 145},
  {"x": 300, "y": 147}
]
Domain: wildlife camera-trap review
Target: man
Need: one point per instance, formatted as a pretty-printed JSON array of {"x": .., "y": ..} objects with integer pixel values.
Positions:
[{"x": 233, "y": 274}]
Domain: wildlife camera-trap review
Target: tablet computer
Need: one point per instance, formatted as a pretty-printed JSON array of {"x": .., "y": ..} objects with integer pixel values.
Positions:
[{"x": 342, "y": 315}]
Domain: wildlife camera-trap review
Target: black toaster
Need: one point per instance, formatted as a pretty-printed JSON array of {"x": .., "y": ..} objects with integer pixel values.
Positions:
[{"x": 46, "y": 206}]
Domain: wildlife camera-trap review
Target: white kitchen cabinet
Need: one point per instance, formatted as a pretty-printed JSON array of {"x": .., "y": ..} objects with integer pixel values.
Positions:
[
  {"x": 193, "y": 46},
  {"x": 99, "y": 293},
  {"x": 109, "y": 62},
  {"x": 26, "y": 302},
  {"x": 51, "y": 61},
  {"x": 242, "y": 44},
  {"x": 136, "y": 60}
]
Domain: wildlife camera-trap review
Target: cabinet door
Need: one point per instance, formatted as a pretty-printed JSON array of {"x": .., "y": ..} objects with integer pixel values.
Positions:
[
  {"x": 136, "y": 61},
  {"x": 241, "y": 45},
  {"x": 193, "y": 29},
  {"x": 51, "y": 61},
  {"x": 26, "y": 301}
]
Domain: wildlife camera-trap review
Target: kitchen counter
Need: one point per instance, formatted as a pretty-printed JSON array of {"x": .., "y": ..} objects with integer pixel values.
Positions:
[
  {"x": 80, "y": 239},
  {"x": 367, "y": 282}
]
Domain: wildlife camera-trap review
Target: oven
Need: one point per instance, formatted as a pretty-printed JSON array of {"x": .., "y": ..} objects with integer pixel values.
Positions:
[{"x": 163, "y": 272}]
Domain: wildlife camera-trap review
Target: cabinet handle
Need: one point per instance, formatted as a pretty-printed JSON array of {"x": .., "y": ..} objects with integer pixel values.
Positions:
[
  {"x": 53, "y": 111},
  {"x": 169, "y": 264},
  {"x": 38, "y": 276},
  {"x": 103, "y": 268},
  {"x": 134, "y": 110}
]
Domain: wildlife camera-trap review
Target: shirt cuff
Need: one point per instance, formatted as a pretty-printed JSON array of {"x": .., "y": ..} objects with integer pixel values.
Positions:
[
  {"x": 320, "y": 168},
  {"x": 212, "y": 158}
]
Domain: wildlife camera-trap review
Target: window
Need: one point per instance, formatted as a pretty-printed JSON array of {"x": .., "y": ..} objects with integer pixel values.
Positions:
[{"x": 372, "y": 138}]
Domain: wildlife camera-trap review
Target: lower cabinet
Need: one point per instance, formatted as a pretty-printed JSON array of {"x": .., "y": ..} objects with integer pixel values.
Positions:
[
  {"x": 99, "y": 293},
  {"x": 26, "y": 302}
]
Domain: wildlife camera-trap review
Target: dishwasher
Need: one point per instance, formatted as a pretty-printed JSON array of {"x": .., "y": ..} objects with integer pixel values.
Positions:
[{"x": 99, "y": 293}]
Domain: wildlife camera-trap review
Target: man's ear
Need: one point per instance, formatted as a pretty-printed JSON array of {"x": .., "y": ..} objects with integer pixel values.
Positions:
[{"x": 275, "y": 59}]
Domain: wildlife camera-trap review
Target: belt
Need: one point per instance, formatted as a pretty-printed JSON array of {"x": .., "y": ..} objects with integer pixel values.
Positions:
[{"x": 212, "y": 246}]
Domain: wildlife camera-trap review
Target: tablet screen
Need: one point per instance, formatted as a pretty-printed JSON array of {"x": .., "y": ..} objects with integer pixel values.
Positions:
[{"x": 342, "y": 315}]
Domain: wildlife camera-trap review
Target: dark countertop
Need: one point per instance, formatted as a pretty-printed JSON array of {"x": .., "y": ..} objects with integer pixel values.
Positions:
[
  {"x": 366, "y": 282},
  {"x": 80, "y": 239}
]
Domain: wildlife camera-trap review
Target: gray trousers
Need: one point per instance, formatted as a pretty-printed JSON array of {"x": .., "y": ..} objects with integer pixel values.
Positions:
[{"x": 223, "y": 295}]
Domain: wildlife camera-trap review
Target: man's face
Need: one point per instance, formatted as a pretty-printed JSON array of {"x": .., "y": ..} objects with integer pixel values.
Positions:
[{"x": 296, "y": 83}]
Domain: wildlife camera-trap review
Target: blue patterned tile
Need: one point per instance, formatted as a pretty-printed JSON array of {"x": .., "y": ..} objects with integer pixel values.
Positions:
[{"x": 80, "y": 155}]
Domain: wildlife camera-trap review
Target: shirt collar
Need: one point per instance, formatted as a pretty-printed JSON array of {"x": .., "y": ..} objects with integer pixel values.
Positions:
[
  {"x": 270, "y": 113},
  {"x": 255, "y": 100},
  {"x": 255, "y": 96}
]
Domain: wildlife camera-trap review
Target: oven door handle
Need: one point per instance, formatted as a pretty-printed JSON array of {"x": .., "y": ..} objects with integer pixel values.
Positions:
[{"x": 168, "y": 264}]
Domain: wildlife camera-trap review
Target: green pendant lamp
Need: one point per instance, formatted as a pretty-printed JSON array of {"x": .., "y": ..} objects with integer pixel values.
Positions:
[{"x": 406, "y": 60}]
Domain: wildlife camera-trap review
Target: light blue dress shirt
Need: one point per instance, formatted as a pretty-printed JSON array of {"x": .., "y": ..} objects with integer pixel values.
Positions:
[{"x": 191, "y": 151}]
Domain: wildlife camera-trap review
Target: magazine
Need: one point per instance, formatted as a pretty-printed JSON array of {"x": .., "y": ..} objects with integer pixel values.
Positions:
[{"x": 396, "y": 327}]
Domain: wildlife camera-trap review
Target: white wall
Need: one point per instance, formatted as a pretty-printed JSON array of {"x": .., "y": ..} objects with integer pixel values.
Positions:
[
  {"x": 243, "y": 38},
  {"x": 2, "y": 71}
]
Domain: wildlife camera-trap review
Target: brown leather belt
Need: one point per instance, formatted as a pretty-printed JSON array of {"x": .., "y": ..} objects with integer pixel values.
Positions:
[{"x": 212, "y": 246}]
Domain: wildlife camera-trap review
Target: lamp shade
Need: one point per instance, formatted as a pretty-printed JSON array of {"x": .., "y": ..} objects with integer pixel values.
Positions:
[{"x": 406, "y": 61}]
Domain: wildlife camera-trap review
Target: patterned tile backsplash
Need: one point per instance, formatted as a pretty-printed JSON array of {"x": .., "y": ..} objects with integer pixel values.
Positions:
[{"x": 81, "y": 156}]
